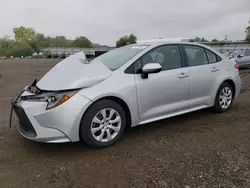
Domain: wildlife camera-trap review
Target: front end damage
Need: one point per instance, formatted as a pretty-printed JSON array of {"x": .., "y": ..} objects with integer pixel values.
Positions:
[
  {"x": 43, "y": 118},
  {"x": 51, "y": 109}
]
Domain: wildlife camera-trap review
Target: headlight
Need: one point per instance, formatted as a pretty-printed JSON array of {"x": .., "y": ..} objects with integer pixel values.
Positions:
[{"x": 53, "y": 99}]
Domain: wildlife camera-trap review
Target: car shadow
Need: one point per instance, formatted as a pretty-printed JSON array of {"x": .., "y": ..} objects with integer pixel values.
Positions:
[{"x": 170, "y": 126}]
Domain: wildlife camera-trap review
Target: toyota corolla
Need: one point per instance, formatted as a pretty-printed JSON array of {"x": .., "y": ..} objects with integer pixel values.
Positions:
[{"x": 95, "y": 101}]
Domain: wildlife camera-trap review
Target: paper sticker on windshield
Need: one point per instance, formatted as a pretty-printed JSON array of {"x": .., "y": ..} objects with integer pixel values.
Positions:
[{"x": 139, "y": 47}]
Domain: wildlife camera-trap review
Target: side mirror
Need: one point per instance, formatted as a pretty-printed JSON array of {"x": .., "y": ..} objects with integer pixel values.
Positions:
[{"x": 150, "y": 68}]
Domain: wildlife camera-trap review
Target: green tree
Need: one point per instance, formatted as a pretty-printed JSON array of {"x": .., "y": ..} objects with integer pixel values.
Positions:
[
  {"x": 21, "y": 49},
  {"x": 132, "y": 39},
  {"x": 49, "y": 42},
  {"x": 60, "y": 41},
  {"x": 215, "y": 41},
  {"x": 126, "y": 40},
  {"x": 82, "y": 42},
  {"x": 123, "y": 41},
  {"x": 10, "y": 47},
  {"x": 26, "y": 41},
  {"x": 248, "y": 33},
  {"x": 23, "y": 34},
  {"x": 33, "y": 44},
  {"x": 221, "y": 42},
  {"x": 198, "y": 39},
  {"x": 204, "y": 40},
  {"x": 40, "y": 37},
  {"x": 40, "y": 41},
  {"x": 6, "y": 46}
]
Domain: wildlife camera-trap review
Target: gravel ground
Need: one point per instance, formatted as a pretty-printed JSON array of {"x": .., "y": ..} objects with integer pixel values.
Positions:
[{"x": 200, "y": 149}]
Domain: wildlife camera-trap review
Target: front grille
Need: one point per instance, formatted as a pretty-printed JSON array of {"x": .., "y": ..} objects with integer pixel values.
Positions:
[{"x": 25, "y": 125}]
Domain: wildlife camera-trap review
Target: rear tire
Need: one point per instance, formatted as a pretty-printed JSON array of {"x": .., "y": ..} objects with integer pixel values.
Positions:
[
  {"x": 98, "y": 128},
  {"x": 224, "y": 98}
]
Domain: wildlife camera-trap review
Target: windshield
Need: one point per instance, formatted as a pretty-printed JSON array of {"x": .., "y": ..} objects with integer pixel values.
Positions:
[{"x": 114, "y": 59}]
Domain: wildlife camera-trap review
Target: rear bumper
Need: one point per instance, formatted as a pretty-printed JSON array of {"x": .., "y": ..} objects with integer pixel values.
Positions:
[{"x": 238, "y": 86}]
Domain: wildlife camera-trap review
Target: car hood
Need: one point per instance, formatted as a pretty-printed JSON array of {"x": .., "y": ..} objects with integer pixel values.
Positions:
[{"x": 74, "y": 72}]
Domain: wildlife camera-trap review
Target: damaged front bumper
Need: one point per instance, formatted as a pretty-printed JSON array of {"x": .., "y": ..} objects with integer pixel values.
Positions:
[
  {"x": 57, "y": 125},
  {"x": 30, "y": 128}
]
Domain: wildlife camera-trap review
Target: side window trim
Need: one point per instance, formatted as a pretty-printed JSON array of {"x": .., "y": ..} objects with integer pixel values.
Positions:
[
  {"x": 183, "y": 56},
  {"x": 207, "y": 55}
]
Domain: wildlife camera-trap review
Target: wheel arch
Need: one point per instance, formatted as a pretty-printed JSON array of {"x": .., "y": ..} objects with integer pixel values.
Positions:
[
  {"x": 231, "y": 83},
  {"x": 226, "y": 80},
  {"x": 117, "y": 100}
]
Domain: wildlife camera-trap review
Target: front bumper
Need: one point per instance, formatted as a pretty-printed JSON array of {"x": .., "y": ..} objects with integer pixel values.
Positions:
[{"x": 57, "y": 125}]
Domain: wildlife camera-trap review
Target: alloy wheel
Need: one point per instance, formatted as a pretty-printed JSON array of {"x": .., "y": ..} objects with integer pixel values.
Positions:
[
  {"x": 106, "y": 125},
  {"x": 225, "y": 97}
]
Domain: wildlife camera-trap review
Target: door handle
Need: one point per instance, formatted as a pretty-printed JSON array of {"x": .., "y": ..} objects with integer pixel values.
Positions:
[
  {"x": 183, "y": 75},
  {"x": 214, "y": 69}
]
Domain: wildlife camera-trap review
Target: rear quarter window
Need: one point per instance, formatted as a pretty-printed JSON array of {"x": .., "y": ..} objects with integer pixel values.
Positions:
[{"x": 211, "y": 57}]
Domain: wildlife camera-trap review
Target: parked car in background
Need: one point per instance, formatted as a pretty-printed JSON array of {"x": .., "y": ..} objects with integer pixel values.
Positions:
[
  {"x": 35, "y": 55},
  {"x": 125, "y": 87},
  {"x": 63, "y": 55},
  {"x": 48, "y": 55},
  {"x": 40, "y": 55},
  {"x": 243, "y": 59}
]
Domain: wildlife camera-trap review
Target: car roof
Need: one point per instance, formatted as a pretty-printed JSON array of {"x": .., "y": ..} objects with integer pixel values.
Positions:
[
  {"x": 157, "y": 42},
  {"x": 162, "y": 43}
]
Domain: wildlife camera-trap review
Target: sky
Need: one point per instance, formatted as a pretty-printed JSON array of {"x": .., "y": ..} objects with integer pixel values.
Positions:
[{"x": 105, "y": 21}]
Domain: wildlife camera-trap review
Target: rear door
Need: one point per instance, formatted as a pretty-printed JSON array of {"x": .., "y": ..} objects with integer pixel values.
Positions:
[{"x": 204, "y": 73}]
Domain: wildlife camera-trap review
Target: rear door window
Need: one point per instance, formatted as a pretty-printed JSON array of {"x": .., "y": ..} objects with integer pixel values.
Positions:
[{"x": 196, "y": 55}]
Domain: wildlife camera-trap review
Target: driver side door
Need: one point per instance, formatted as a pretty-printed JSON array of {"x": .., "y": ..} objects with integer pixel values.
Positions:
[{"x": 165, "y": 93}]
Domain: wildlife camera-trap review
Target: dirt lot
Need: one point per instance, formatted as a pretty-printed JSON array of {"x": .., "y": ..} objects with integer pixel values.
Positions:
[{"x": 200, "y": 149}]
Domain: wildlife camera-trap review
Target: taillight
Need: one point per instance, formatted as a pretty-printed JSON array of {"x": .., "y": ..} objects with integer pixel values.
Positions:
[{"x": 237, "y": 66}]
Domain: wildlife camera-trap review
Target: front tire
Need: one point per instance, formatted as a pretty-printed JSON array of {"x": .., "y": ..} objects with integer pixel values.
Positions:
[
  {"x": 224, "y": 98},
  {"x": 103, "y": 124}
]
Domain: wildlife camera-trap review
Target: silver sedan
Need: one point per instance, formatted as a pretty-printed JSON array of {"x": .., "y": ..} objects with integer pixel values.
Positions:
[{"x": 136, "y": 84}]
